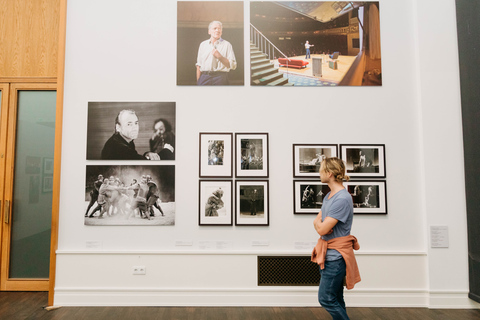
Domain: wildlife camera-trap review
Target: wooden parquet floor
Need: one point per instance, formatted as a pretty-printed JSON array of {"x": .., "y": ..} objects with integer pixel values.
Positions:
[{"x": 30, "y": 305}]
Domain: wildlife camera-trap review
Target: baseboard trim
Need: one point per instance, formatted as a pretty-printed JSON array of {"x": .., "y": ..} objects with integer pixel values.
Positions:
[
  {"x": 452, "y": 300},
  {"x": 289, "y": 297}
]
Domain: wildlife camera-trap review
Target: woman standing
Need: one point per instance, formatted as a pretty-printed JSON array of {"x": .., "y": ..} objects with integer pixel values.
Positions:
[{"x": 334, "y": 250}]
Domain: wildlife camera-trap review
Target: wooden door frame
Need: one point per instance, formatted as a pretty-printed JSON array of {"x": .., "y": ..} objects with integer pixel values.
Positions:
[
  {"x": 62, "y": 34},
  {"x": 5, "y": 89},
  {"x": 5, "y": 282}
]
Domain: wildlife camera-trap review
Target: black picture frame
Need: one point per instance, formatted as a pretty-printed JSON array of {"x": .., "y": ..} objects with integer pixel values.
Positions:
[
  {"x": 251, "y": 155},
  {"x": 369, "y": 196},
  {"x": 307, "y": 158},
  {"x": 215, "y": 209},
  {"x": 251, "y": 209},
  {"x": 364, "y": 160},
  {"x": 215, "y": 155},
  {"x": 308, "y": 196}
]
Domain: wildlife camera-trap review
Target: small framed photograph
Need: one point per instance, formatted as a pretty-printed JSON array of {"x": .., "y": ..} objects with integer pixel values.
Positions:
[
  {"x": 251, "y": 203},
  {"x": 368, "y": 196},
  {"x": 215, "y": 203},
  {"x": 364, "y": 160},
  {"x": 308, "y": 196},
  {"x": 251, "y": 155},
  {"x": 307, "y": 158},
  {"x": 47, "y": 166},
  {"x": 47, "y": 185},
  {"x": 216, "y": 154}
]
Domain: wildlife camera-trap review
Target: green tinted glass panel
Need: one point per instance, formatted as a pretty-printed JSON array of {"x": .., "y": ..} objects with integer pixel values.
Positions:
[{"x": 32, "y": 186}]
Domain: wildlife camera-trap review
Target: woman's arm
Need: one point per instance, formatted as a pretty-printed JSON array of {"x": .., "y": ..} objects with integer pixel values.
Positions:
[{"x": 324, "y": 227}]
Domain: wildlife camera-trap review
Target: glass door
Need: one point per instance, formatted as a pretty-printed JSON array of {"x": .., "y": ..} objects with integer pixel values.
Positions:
[{"x": 27, "y": 185}]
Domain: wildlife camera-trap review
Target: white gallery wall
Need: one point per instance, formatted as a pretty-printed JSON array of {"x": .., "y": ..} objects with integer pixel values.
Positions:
[{"x": 125, "y": 50}]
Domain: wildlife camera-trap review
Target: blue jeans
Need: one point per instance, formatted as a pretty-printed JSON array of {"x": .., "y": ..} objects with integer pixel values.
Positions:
[
  {"x": 330, "y": 291},
  {"x": 307, "y": 56}
]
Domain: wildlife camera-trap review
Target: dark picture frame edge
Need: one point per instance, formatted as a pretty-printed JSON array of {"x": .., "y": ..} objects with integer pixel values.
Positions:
[
  {"x": 379, "y": 182},
  {"x": 266, "y": 176},
  {"x": 200, "y": 203},
  {"x": 373, "y": 146},
  {"x": 315, "y": 210},
  {"x": 312, "y": 145},
  {"x": 230, "y": 175},
  {"x": 266, "y": 205}
]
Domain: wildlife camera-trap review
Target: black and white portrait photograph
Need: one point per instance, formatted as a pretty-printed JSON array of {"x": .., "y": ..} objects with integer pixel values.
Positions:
[
  {"x": 315, "y": 43},
  {"x": 215, "y": 155},
  {"x": 215, "y": 203},
  {"x": 210, "y": 48},
  {"x": 131, "y": 131},
  {"x": 308, "y": 196},
  {"x": 251, "y": 155},
  {"x": 364, "y": 161},
  {"x": 308, "y": 157},
  {"x": 368, "y": 196},
  {"x": 130, "y": 195},
  {"x": 251, "y": 203}
]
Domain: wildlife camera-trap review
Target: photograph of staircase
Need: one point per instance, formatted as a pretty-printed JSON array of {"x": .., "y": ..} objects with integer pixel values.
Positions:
[{"x": 263, "y": 71}]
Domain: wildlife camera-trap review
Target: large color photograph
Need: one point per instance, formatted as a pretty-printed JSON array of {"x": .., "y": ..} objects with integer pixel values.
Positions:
[
  {"x": 322, "y": 43},
  {"x": 131, "y": 131},
  {"x": 210, "y": 49},
  {"x": 130, "y": 195}
]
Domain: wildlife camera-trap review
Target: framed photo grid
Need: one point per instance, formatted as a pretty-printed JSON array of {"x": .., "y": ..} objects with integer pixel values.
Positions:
[
  {"x": 216, "y": 154},
  {"x": 251, "y": 203},
  {"x": 215, "y": 203},
  {"x": 251, "y": 155},
  {"x": 364, "y": 160},
  {"x": 361, "y": 161},
  {"x": 308, "y": 157}
]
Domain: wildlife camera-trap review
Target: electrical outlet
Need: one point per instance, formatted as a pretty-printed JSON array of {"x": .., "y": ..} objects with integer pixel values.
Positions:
[{"x": 139, "y": 270}]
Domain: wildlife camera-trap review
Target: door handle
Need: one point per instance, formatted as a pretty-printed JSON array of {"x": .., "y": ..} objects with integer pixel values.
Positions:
[{"x": 7, "y": 211}]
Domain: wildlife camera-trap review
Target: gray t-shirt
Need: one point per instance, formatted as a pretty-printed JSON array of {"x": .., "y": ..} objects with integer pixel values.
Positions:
[{"x": 339, "y": 207}]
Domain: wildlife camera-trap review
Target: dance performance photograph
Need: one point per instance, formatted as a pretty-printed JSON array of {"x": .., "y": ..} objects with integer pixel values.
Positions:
[
  {"x": 210, "y": 49},
  {"x": 308, "y": 157},
  {"x": 308, "y": 196},
  {"x": 130, "y": 195},
  {"x": 131, "y": 131},
  {"x": 321, "y": 43},
  {"x": 365, "y": 161},
  {"x": 369, "y": 197}
]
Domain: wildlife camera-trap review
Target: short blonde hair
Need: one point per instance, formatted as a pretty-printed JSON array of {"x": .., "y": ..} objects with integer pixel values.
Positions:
[{"x": 336, "y": 167}]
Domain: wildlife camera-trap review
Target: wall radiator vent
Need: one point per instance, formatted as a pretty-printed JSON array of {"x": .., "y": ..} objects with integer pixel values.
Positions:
[{"x": 287, "y": 271}]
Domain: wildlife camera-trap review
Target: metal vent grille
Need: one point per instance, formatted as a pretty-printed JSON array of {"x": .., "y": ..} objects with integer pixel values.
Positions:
[{"x": 287, "y": 271}]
